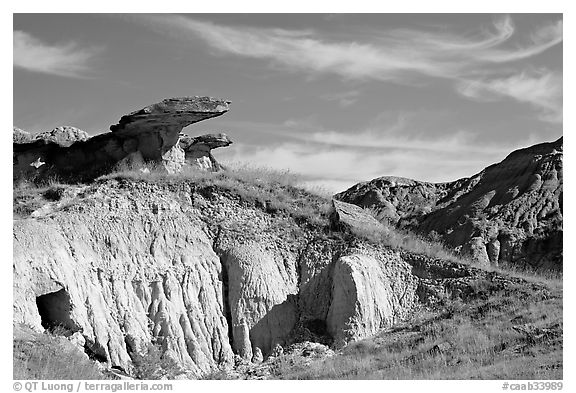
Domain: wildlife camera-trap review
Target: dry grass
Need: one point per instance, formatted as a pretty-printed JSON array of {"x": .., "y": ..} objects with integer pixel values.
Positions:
[
  {"x": 433, "y": 247},
  {"x": 271, "y": 190},
  {"x": 47, "y": 356},
  {"x": 475, "y": 340},
  {"x": 28, "y": 196}
]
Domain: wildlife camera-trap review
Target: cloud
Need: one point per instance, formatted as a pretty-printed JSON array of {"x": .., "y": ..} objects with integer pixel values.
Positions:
[
  {"x": 336, "y": 160},
  {"x": 542, "y": 90},
  {"x": 398, "y": 55},
  {"x": 390, "y": 132},
  {"x": 344, "y": 99},
  {"x": 336, "y": 169},
  {"x": 67, "y": 59}
]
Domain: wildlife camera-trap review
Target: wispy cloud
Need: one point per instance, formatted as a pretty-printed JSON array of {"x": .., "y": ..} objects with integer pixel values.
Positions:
[
  {"x": 344, "y": 99},
  {"x": 397, "y": 55},
  {"x": 336, "y": 160},
  {"x": 68, "y": 59},
  {"x": 396, "y": 133},
  {"x": 479, "y": 62},
  {"x": 337, "y": 168},
  {"x": 542, "y": 90}
]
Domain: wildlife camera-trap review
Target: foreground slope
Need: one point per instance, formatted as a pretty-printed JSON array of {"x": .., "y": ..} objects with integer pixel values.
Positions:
[
  {"x": 509, "y": 213},
  {"x": 206, "y": 269}
]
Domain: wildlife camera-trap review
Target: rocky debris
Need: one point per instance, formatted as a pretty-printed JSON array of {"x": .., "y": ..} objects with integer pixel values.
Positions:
[
  {"x": 148, "y": 135},
  {"x": 440, "y": 349},
  {"x": 21, "y": 136},
  {"x": 257, "y": 356},
  {"x": 77, "y": 339},
  {"x": 278, "y": 350},
  {"x": 298, "y": 354},
  {"x": 477, "y": 250},
  {"x": 372, "y": 290},
  {"x": 440, "y": 281},
  {"x": 534, "y": 334},
  {"x": 198, "y": 150},
  {"x": 509, "y": 213},
  {"x": 63, "y": 136},
  {"x": 38, "y": 163}
]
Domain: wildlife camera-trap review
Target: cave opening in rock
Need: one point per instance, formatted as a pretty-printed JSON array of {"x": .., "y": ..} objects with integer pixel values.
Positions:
[{"x": 54, "y": 309}]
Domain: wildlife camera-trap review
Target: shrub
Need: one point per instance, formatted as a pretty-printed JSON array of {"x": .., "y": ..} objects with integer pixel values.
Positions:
[{"x": 155, "y": 364}]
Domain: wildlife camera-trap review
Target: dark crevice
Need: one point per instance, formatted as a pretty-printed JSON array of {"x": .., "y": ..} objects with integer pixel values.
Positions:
[
  {"x": 95, "y": 352},
  {"x": 54, "y": 309},
  {"x": 225, "y": 301}
]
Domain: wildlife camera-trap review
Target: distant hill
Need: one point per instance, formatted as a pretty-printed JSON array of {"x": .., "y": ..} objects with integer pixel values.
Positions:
[{"x": 509, "y": 213}]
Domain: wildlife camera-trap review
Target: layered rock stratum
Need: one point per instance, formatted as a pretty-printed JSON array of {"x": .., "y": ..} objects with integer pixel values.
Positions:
[{"x": 509, "y": 213}]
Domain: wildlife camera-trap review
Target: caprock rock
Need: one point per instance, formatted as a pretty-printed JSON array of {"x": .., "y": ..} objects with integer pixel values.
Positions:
[
  {"x": 149, "y": 136},
  {"x": 511, "y": 212}
]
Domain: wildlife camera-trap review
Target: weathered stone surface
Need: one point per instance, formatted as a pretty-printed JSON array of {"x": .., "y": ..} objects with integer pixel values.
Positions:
[
  {"x": 124, "y": 269},
  {"x": 171, "y": 114},
  {"x": 63, "y": 136},
  {"x": 198, "y": 271},
  {"x": 21, "y": 136},
  {"x": 263, "y": 308},
  {"x": 359, "y": 221},
  {"x": 198, "y": 149},
  {"x": 371, "y": 290},
  {"x": 152, "y": 132},
  {"x": 515, "y": 206},
  {"x": 257, "y": 357},
  {"x": 476, "y": 248}
]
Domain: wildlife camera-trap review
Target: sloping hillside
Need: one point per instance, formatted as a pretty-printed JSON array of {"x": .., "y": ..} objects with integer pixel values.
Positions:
[{"x": 509, "y": 213}]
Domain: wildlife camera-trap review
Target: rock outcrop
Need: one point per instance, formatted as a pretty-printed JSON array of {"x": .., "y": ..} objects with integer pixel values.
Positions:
[
  {"x": 346, "y": 216},
  {"x": 198, "y": 150},
  {"x": 125, "y": 271},
  {"x": 21, "y": 136},
  {"x": 511, "y": 212},
  {"x": 370, "y": 291},
  {"x": 63, "y": 136},
  {"x": 150, "y": 134},
  {"x": 262, "y": 304},
  {"x": 197, "y": 271}
]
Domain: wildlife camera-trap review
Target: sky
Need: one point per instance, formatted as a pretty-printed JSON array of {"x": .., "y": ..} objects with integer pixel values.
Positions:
[{"x": 337, "y": 98}]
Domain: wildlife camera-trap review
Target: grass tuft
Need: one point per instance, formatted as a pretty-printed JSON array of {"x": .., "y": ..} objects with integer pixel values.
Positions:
[{"x": 48, "y": 356}]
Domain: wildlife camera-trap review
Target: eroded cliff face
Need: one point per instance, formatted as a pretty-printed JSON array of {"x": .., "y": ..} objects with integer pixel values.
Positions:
[
  {"x": 124, "y": 270},
  {"x": 511, "y": 212},
  {"x": 199, "y": 271}
]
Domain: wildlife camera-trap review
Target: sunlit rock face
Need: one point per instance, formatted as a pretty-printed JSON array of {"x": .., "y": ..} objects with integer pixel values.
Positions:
[
  {"x": 21, "y": 136},
  {"x": 63, "y": 136}
]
